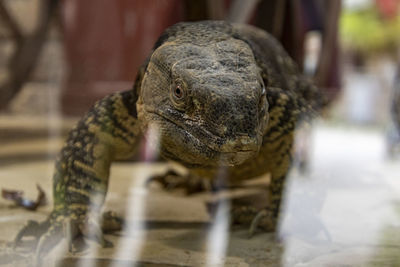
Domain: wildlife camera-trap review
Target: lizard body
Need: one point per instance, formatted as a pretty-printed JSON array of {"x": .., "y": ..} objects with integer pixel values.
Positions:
[{"x": 219, "y": 94}]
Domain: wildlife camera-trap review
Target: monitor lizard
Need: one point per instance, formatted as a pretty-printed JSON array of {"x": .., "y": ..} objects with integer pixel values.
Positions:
[{"x": 219, "y": 94}]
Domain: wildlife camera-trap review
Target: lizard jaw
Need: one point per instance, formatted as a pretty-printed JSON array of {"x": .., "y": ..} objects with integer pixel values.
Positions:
[{"x": 198, "y": 152}]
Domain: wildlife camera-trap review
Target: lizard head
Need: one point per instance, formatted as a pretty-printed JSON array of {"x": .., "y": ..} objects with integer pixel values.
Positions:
[{"x": 208, "y": 101}]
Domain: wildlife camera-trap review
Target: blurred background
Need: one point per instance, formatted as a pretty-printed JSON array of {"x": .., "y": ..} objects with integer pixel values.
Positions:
[
  {"x": 57, "y": 57},
  {"x": 93, "y": 48},
  {"x": 75, "y": 52}
]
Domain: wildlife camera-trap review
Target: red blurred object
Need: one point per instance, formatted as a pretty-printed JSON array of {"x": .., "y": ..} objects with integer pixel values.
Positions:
[
  {"x": 388, "y": 8},
  {"x": 106, "y": 42}
]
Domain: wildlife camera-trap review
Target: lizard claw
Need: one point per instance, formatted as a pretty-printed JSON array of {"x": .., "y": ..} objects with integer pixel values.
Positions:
[
  {"x": 111, "y": 222},
  {"x": 32, "y": 228},
  {"x": 107, "y": 244},
  {"x": 263, "y": 218},
  {"x": 172, "y": 180},
  {"x": 256, "y": 221}
]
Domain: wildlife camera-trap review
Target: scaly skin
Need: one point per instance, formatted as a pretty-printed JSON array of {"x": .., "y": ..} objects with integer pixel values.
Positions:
[
  {"x": 219, "y": 94},
  {"x": 109, "y": 131}
]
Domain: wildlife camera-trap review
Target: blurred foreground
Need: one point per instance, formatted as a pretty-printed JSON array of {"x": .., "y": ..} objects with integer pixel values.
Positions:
[{"x": 345, "y": 210}]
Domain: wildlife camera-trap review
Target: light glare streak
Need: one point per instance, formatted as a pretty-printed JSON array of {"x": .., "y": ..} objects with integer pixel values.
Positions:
[
  {"x": 131, "y": 246},
  {"x": 218, "y": 238}
]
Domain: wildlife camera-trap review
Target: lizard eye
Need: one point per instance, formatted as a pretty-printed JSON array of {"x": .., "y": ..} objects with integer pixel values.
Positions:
[{"x": 178, "y": 93}]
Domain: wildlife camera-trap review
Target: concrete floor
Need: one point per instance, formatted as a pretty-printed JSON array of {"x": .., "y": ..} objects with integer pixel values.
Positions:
[{"x": 344, "y": 212}]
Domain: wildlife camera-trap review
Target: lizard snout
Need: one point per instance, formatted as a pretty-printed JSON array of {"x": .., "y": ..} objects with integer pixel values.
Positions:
[{"x": 242, "y": 143}]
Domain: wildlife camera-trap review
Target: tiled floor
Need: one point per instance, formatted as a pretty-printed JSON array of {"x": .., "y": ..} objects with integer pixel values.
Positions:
[{"x": 344, "y": 212}]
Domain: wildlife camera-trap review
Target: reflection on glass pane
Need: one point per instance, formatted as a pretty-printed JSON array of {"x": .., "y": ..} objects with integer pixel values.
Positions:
[{"x": 205, "y": 146}]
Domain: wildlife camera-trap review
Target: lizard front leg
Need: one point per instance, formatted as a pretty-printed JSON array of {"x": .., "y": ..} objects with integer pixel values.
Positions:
[
  {"x": 278, "y": 155},
  {"x": 109, "y": 131},
  {"x": 266, "y": 218}
]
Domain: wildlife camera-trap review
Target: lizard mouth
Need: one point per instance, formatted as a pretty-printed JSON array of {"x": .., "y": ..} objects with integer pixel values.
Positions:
[
  {"x": 188, "y": 138},
  {"x": 242, "y": 143}
]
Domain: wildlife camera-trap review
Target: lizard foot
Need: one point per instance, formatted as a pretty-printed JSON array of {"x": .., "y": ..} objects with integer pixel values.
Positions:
[
  {"x": 33, "y": 229},
  {"x": 171, "y": 180},
  {"x": 91, "y": 229},
  {"x": 76, "y": 230},
  {"x": 111, "y": 222},
  {"x": 248, "y": 215}
]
